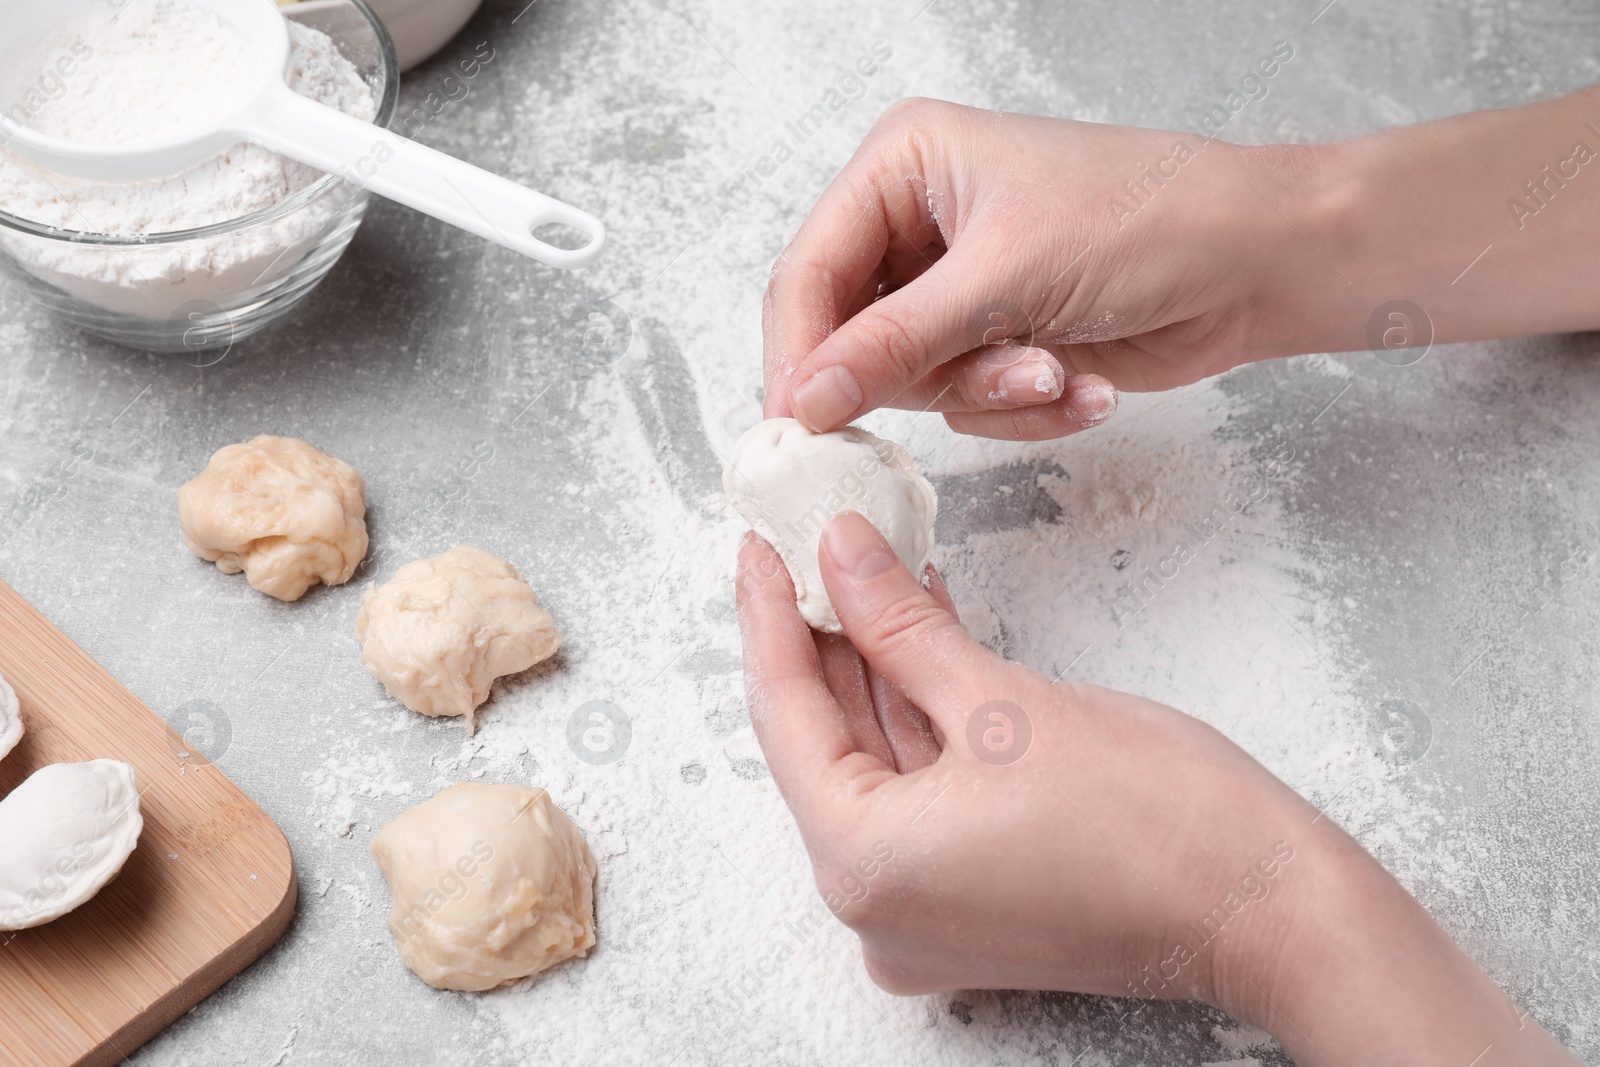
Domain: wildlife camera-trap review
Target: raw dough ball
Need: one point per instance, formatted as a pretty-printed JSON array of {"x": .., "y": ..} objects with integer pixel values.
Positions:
[
  {"x": 788, "y": 482},
  {"x": 10, "y": 718},
  {"x": 286, "y": 514},
  {"x": 442, "y": 630},
  {"x": 67, "y": 831},
  {"x": 491, "y": 883}
]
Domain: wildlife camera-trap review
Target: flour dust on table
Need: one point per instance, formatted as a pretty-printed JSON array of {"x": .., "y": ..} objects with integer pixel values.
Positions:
[
  {"x": 1064, "y": 556},
  {"x": 714, "y": 945}
]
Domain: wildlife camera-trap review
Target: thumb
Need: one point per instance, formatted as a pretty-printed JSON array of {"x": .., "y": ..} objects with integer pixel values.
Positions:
[
  {"x": 891, "y": 344},
  {"x": 901, "y": 630}
]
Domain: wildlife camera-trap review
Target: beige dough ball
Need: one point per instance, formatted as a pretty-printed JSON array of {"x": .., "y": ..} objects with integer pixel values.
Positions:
[
  {"x": 490, "y": 883},
  {"x": 442, "y": 630},
  {"x": 286, "y": 514}
]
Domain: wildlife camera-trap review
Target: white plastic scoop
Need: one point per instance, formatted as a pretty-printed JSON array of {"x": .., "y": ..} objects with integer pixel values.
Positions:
[{"x": 276, "y": 117}]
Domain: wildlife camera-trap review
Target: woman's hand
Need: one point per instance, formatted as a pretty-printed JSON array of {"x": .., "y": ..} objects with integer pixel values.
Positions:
[
  {"x": 1009, "y": 270},
  {"x": 1025, "y": 266},
  {"x": 980, "y": 826}
]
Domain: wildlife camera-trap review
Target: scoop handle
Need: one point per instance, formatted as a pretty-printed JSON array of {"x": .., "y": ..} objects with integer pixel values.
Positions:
[{"x": 396, "y": 167}]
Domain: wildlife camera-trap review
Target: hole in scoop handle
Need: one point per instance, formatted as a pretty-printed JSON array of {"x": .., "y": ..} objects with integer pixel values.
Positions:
[{"x": 396, "y": 167}]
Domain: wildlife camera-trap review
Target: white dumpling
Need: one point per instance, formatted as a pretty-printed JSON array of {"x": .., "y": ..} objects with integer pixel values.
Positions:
[
  {"x": 788, "y": 482},
  {"x": 10, "y": 718},
  {"x": 64, "y": 833}
]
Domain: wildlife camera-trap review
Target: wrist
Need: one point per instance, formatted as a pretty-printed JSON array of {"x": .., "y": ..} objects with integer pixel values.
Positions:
[
  {"x": 1353, "y": 969},
  {"x": 1432, "y": 214},
  {"x": 1389, "y": 218},
  {"x": 1304, "y": 212}
]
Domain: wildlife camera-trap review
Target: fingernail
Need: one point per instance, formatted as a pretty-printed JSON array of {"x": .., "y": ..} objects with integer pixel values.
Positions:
[
  {"x": 827, "y": 399},
  {"x": 1034, "y": 380},
  {"x": 1093, "y": 401},
  {"x": 856, "y": 546}
]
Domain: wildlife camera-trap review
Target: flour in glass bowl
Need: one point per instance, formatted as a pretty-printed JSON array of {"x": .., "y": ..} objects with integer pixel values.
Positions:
[
  {"x": 122, "y": 72},
  {"x": 139, "y": 72}
]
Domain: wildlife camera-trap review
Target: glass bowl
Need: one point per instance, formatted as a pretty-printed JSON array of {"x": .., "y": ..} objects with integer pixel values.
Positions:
[{"x": 142, "y": 291}]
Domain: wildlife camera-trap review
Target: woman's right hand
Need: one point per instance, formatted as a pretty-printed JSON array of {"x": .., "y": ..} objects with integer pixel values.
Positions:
[{"x": 1009, "y": 271}]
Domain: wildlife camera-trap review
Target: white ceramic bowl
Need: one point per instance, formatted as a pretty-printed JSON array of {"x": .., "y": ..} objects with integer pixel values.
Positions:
[{"x": 422, "y": 27}]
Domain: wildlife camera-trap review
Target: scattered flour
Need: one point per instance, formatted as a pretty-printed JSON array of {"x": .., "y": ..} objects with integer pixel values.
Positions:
[
  {"x": 133, "y": 60},
  {"x": 710, "y": 928},
  {"x": 714, "y": 946}
]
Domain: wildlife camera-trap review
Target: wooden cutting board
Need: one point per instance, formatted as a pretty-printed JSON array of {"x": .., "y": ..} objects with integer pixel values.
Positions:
[{"x": 209, "y": 888}]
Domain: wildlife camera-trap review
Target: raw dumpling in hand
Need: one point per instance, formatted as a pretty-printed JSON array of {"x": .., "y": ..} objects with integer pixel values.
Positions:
[{"x": 788, "y": 482}]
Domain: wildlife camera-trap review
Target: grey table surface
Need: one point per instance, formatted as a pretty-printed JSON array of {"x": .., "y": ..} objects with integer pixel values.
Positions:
[{"x": 1447, "y": 498}]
